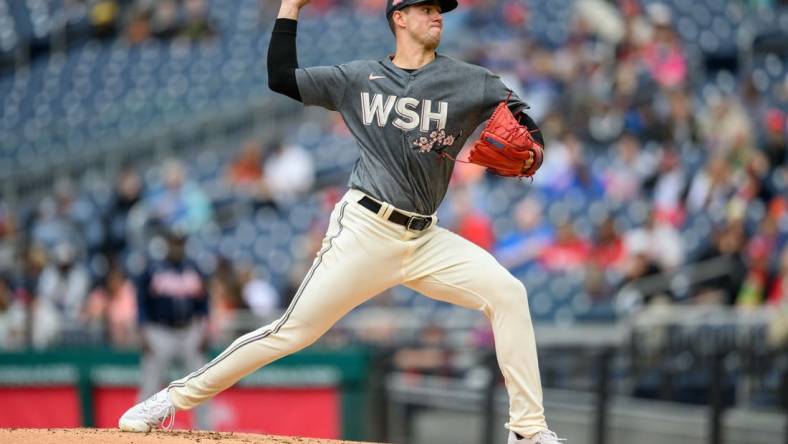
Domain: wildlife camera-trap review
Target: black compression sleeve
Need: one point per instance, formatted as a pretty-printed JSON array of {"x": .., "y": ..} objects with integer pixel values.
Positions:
[
  {"x": 283, "y": 59},
  {"x": 529, "y": 123}
]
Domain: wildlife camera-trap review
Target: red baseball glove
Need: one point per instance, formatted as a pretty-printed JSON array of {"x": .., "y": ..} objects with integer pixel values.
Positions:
[{"x": 506, "y": 145}]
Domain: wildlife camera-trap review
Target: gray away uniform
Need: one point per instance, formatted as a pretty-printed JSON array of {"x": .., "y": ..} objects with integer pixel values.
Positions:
[
  {"x": 397, "y": 118},
  {"x": 388, "y": 109}
]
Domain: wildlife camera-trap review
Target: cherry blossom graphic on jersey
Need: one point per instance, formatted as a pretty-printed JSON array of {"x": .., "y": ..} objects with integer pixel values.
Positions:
[{"x": 437, "y": 141}]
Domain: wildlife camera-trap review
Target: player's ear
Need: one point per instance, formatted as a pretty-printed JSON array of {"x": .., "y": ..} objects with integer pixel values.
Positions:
[{"x": 397, "y": 20}]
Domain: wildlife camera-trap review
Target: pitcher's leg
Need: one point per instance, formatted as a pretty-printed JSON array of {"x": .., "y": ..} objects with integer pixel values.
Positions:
[
  {"x": 192, "y": 356},
  {"x": 342, "y": 276},
  {"x": 455, "y": 270}
]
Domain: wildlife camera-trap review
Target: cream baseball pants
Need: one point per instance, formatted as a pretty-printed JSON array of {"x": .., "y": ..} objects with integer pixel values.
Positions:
[{"x": 364, "y": 254}]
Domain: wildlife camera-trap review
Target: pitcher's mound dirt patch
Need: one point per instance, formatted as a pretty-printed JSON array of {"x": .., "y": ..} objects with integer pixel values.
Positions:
[{"x": 107, "y": 436}]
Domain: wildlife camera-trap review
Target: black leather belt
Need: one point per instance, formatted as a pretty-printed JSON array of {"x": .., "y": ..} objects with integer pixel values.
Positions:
[{"x": 412, "y": 223}]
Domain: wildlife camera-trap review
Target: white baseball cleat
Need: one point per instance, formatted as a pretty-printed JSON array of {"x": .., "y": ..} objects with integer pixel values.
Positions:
[
  {"x": 150, "y": 414},
  {"x": 546, "y": 437}
]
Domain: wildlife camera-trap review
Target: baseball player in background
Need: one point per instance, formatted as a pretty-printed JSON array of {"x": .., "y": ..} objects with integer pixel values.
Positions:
[
  {"x": 172, "y": 301},
  {"x": 410, "y": 114}
]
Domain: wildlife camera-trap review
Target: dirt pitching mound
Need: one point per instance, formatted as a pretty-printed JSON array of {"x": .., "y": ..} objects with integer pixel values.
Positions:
[{"x": 107, "y": 436}]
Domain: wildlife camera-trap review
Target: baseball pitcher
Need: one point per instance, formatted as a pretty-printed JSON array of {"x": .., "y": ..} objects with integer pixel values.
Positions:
[{"x": 410, "y": 114}]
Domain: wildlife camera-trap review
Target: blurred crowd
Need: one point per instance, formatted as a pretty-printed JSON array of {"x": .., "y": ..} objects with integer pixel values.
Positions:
[
  {"x": 57, "y": 27},
  {"x": 649, "y": 167},
  {"x": 628, "y": 119},
  {"x": 78, "y": 262},
  {"x": 138, "y": 20}
]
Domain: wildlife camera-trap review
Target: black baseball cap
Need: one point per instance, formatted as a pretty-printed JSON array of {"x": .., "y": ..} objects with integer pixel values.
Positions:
[{"x": 396, "y": 5}]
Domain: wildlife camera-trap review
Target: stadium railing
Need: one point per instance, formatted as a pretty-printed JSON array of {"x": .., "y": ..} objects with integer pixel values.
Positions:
[{"x": 709, "y": 359}]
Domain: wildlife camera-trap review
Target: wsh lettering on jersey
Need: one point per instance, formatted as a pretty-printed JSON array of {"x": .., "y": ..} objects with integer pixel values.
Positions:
[{"x": 410, "y": 113}]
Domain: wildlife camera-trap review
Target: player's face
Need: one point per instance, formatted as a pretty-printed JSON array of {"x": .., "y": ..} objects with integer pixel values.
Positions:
[{"x": 424, "y": 24}]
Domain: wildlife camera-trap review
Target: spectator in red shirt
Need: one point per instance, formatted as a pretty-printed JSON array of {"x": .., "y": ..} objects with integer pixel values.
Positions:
[
  {"x": 778, "y": 292},
  {"x": 569, "y": 251},
  {"x": 608, "y": 249},
  {"x": 246, "y": 171},
  {"x": 471, "y": 223}
]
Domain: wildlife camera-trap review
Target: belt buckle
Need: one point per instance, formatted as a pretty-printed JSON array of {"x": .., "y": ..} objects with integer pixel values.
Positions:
[{"x": 416, "y": 223}]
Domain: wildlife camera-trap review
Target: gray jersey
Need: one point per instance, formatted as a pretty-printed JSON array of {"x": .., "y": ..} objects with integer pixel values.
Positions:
[{"x": 401, "y": 120}]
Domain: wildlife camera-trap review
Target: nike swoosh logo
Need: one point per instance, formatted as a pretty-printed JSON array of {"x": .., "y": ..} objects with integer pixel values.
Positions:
[{"x": 374, "y": 77}]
